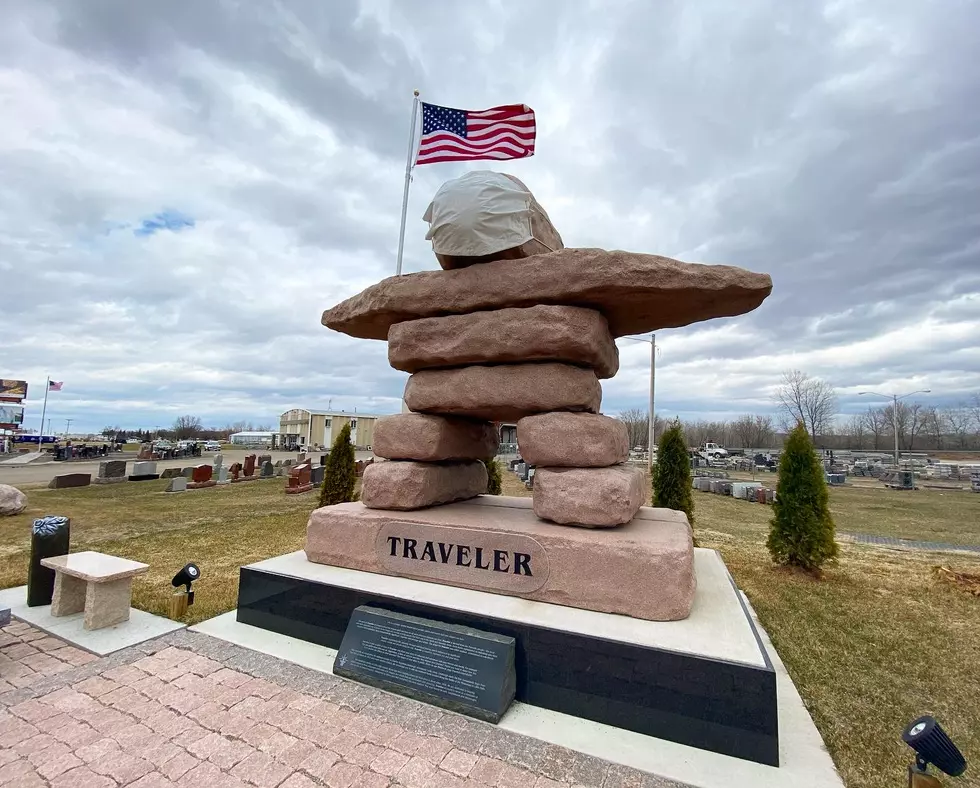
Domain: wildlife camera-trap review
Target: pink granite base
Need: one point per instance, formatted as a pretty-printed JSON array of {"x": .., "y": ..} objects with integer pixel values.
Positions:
[{"x": 643, "y": 569}]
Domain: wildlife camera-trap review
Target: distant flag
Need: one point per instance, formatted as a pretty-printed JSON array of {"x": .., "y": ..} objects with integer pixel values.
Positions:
[
  {"x": 55, "y": 385},
  {"x": 464, "y": 135}
]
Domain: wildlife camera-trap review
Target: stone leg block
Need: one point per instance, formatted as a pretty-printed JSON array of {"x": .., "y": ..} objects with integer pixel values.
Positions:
[
  {"x": 589, "y": 497},
  {"x": 69, "y": 595},
  {"x": 108, "y": 603},
  {"x": 572, "y": 440},
  {"x": 410, "y": 485},
  {"x": 429, "y": 438}
]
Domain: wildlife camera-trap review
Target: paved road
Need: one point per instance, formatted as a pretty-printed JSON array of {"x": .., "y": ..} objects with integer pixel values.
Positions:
[{"x": 23, "y": 475}]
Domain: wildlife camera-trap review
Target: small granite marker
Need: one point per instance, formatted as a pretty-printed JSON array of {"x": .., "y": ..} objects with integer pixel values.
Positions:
[
  {"x": 458, "y": 668},
  {"x": 111, "y": 472},
  {"x": 70, "y": 480},
  {"x": 144, "y": 472},
  {"x": 177, "y": 484}
]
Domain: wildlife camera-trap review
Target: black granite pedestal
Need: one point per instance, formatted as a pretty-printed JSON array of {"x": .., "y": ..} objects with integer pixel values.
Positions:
[{"x": 723, "y": 705}]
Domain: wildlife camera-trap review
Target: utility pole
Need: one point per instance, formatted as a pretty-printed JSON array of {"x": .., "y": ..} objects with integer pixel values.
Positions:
[
  {"x": 68, "y": 426},
  {"x": 895, "y": 398}
]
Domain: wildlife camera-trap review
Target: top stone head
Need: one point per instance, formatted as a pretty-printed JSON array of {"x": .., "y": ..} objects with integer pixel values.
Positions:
[{"x": 484, "y": 216}]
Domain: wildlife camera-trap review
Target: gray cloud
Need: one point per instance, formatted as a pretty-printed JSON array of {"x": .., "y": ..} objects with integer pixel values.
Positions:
[{"x": 833, "y": 145}]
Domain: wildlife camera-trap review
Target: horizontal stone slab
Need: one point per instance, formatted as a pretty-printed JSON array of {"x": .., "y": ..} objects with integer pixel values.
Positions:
[
  {"x": 428, "y": 438},
  {"x": 644, "y": 569},
  {"x": 506, "y": 336},
  {"x": 503, "y": 393},
  {"x": 589, "y": 497},
  {"x": 575, "y": 440},
  {"x": 65, "y": 480},
  {"x": 636, "y": 292},
  {"x": 406, "y": 485}
]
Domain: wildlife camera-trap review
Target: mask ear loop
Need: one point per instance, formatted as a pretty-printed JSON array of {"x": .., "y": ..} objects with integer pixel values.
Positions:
[{"x": 530, "y": 231}]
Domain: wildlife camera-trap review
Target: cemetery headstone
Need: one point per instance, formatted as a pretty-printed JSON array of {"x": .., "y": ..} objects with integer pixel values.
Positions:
[
  {"x": 50, "y": 536},
  {"x": 4, "y": 616},
  {"x": 144, "y": 472},
  {"x": 456, "y": 667},
  {"x": 111, "y": 472},
  {"x": 218, "y": 460},
  {"x": 146, "y": 452},
  {"x": 223, "y": 475},
  {"x": 263, "y": 459},
  {"x": 177, "y": 484},
  {"x": 188, "y": 472},
  {"x": 202, "y": 477},
  {"x": 299, "y": 479},
  {"x": 66, "y": 480},
  {"x": 249, "y": 467},
  {"x": 170, "y": 473},
  {"x": 268, "y": 470},
  {"x": 235, "y": 469},
  {"x": 316, "y": 475}
]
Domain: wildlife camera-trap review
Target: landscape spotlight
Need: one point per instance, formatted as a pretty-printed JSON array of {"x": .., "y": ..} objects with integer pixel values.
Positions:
[
  {"x": 932, "y": 745},
  {"x": 185, "y": 577}
]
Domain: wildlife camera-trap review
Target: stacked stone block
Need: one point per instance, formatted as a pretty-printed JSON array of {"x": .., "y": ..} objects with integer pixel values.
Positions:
[{"x": 539, "y": 366}]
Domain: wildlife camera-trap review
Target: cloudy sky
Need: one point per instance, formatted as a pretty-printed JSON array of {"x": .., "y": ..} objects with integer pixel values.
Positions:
[{"x": 185, "y": 186}]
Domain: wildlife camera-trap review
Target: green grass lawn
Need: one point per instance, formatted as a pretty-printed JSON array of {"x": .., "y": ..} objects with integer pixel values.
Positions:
[{"x": 874, "y": 644}]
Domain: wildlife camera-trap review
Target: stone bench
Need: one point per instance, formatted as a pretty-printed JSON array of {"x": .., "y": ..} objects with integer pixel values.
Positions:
[{"x": 100, "y": 585}]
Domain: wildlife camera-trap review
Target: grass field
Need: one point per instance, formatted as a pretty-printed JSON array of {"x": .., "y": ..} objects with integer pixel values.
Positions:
[{"x": 874, "y": 644}]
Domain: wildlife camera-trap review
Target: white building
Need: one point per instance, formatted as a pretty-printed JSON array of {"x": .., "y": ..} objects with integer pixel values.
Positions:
[{"x": 256, "y": 439}]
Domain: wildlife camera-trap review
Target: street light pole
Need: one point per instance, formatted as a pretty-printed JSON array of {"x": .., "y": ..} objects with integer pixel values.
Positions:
[{"x": 895, "y": 398}]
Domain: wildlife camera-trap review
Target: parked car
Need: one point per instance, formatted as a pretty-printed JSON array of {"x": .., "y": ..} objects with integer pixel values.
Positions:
[{"x": 212, "y": 446}]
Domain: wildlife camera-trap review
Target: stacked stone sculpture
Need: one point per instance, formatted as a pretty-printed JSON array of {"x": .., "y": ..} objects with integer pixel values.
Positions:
[
  {"x": 503, "y": 337},
  {"x": 521, "y": 330}
]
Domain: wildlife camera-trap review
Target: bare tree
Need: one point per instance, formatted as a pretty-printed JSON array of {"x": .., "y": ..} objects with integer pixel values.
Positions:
[
  {"x": 856, "y": 431},
  {"x": 811, "y": 401},
  {"x": 877, "y": 423},
  {"x": 958, "y": 422},
  {"x": 764, "y": 432},
  {"x": 186, "y": 427},
  {"x": 637, "y": 425},
  {"x": 744, "y": 429},
  {"x": 935, "y": 425}
]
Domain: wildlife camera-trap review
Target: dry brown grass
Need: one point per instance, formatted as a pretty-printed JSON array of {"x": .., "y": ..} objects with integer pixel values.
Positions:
[
  {"x": 219, "y": 528},
  {"x": 880, "y": 640}
]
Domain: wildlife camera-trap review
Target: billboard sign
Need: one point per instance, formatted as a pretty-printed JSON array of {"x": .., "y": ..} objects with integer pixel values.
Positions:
[
  {"x": 11, "y": 416},
  {"x": 13, "y": 390}
]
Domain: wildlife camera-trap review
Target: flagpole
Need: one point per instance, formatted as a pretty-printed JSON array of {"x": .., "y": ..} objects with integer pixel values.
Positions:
[
  {"x": 409, "y": 163},
  {"x": 44, "y": 409}
]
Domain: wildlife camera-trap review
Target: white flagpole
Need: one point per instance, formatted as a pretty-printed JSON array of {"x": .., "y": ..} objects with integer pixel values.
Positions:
[
  {"x": 47, "y": 385},
  {"x": 409, "y": 164}
]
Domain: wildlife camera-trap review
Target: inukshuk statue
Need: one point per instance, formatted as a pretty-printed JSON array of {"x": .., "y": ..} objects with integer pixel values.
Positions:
[{"x": 518, "y": 328}]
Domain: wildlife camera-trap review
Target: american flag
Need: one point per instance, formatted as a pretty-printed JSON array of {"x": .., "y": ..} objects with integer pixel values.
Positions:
[
  {"x": 464, "y": 135},
  {"x": 55, "y": 385}
]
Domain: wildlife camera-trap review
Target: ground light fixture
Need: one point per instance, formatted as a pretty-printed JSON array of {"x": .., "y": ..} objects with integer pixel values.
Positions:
[
  {"x": 184, "y": 596},
  {"x": 932, "y": 745}
]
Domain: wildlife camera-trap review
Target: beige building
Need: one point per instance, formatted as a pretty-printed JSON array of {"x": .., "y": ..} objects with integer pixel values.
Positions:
[{"x": 309, "y": 428}]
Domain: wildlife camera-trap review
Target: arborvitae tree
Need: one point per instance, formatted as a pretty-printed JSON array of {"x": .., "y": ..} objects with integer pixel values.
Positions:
[
  {"x": 493, "y": 476},
  {"x": 801, "y": 531},
  {"x": 672, "y": 473},
  {"x": 340, "y": 473}
]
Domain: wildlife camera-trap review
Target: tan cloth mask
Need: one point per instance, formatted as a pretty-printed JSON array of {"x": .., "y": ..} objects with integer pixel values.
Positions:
[{"x": 479, "y": 213}]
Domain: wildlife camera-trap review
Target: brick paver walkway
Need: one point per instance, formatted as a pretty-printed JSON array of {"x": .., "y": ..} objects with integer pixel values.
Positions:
[
  {"x": 911, "y": 544},
  {"x": 190, "y": 710}
]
